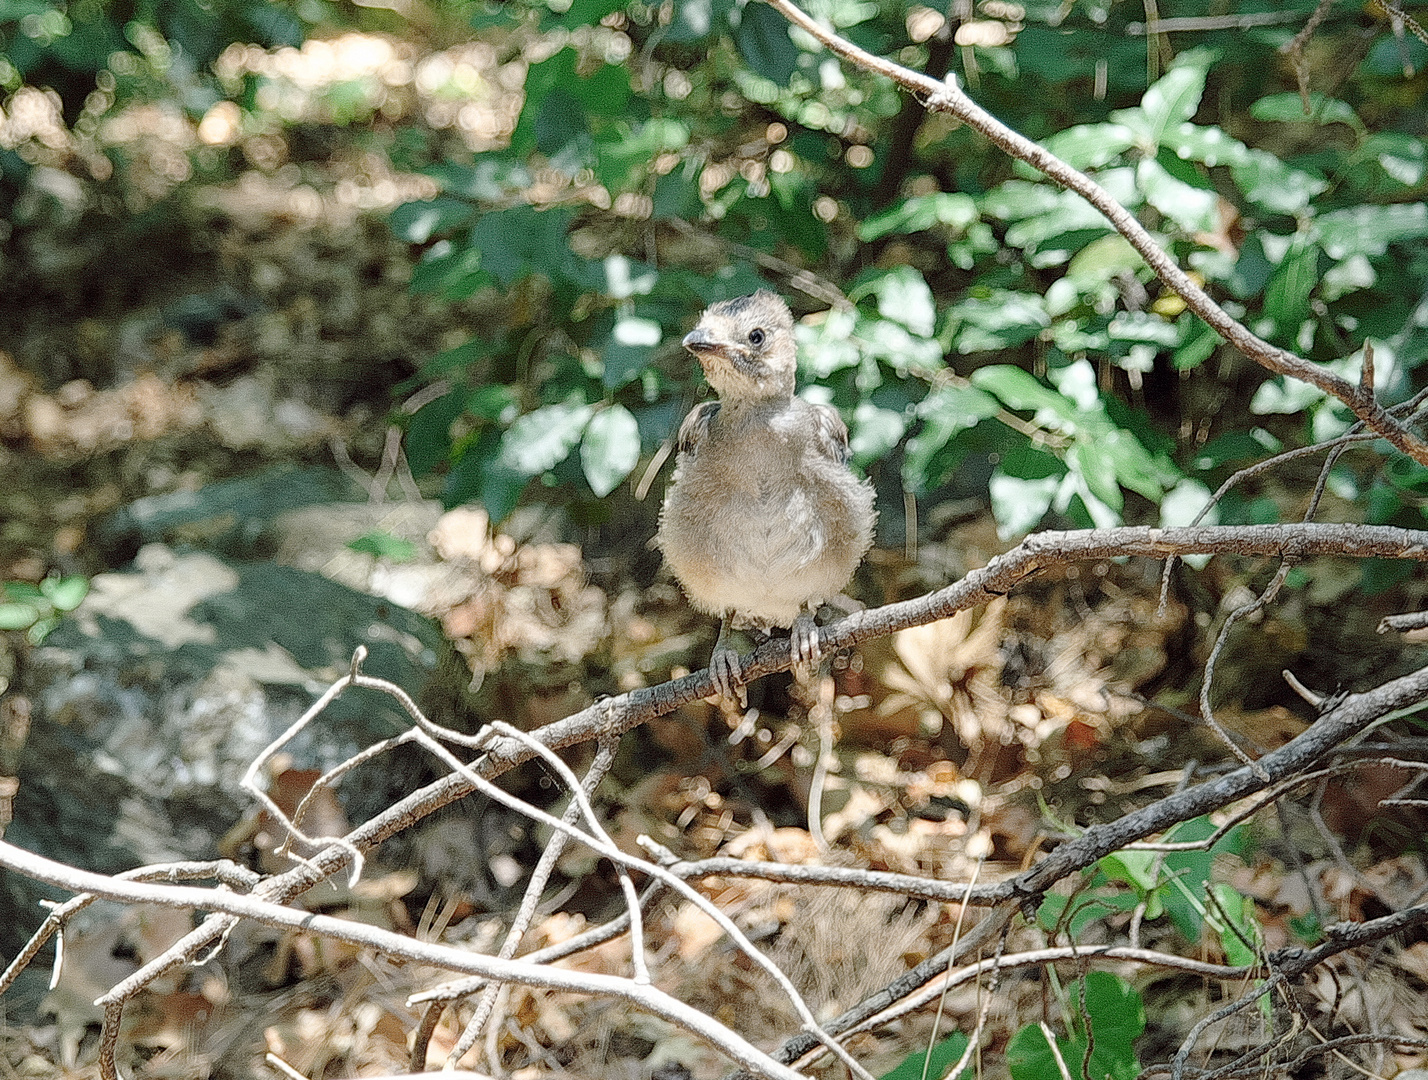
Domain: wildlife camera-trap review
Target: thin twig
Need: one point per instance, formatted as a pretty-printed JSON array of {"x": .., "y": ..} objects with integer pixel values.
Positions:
[
  {"x": 604, "y": 758},
  {"x": 362, "y": 935}
]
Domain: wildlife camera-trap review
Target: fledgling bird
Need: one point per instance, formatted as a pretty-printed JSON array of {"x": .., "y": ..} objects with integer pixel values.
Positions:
[{"x": 764, "y": 520}]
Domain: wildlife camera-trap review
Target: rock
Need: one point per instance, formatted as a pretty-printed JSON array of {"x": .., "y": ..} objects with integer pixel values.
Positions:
[{"x": 151, "y": 702}]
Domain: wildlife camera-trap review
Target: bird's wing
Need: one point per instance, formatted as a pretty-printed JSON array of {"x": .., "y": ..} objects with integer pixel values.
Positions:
[
  {"x": 830, "y": 434},
  {"x": 696, "y": 426}
]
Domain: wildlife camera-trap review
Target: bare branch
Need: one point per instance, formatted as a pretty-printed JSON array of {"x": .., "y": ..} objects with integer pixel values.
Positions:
[{"x": 645, "y": 997}]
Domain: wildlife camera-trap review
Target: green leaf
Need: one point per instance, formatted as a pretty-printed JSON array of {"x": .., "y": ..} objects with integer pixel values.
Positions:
[
  {"x": 523, "y": 240},
  {"x": 1136, "y": 868},
  {"x": 762, "y": 39},
  {"x": 1070, "y": 215},
  {"x": 629, "y": 149},
  {"x": 1116, "y": 1015},
  {"x": 629, "y": 350},
  {"x": 1019, "y": 199},
  {"x": 610, "y": 449},
  {"x": 540, "y": 440},
  {"x": 1017, "y": 389},
  {"x": 1194, "y": 209},
  {"x": 1199, "y": 346},
  {"x": 428, "y": 441},
  {"x": 1241, "y": 914},
  {"x": 1000, "y": 320},
  {"x": 65, "y": 593},
  {"x": 560, "y": 129},
  {"x": 1173, "y": 98},
  {"x": 1403, "y": 157},
  {"x": 384, "y": 545},
  {"x": 1101, "y": 260},
  {"x": 1030, "y": 1056},
  {"x": 1134, "y": 466},
  {"x": 1322, "y": 110},
  {"x": 1288, "y": 293},
  {"x": 490, "y": 178},
  {"x": 1020, "y": 502},
  {"x": 459, "y": 357},
  {"x": 1143, "y": 326},
  {"x": 494, "y": 402},
  {"x": 1272, "y": 185},
  {"x": 454, "y": 272},
  {"x": 1185, "y": 500},
  {"x": 480, "y": 474},
  {"x": 1307, "y": 928},
  {"x": 1208, "y": 145},
  {"x": 1369, "y": 230},
  {"x": 17, "y": 616},
  {"x": 1091, "y": 460},
  {"x": 903, "y": 297},
  {"x": 945, "y": 413},
  {"x": 600, "y": 95},
  {"x": 921, "y": 212},
  {"x": 1091, "y": 146},
  {"x": 1188, "y": 872},
  {"x": 15, "y": 10},
  {"x": 830, "y": 346},
  {"x": 418, "y": 222},
  {"x": 933, "y": 1065},
  {"x": 696, "y": 19},
  {"x": 874, "y": 432}
]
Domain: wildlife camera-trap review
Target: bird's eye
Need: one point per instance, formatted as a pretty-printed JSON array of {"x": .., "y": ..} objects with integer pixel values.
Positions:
[{"x": 756, "y": 337}]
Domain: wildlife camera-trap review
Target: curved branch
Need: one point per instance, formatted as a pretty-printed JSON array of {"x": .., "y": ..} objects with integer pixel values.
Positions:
[
  {"x": 946, "y": 96},
  {"x": 646, "y": 997}
]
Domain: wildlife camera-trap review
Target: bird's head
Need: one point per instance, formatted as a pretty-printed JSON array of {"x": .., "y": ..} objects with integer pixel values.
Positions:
[{"x": 746, "y": 347}]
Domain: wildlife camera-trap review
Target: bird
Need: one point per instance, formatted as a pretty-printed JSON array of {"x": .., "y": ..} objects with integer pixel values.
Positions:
[{"x": 763, "y": 520}]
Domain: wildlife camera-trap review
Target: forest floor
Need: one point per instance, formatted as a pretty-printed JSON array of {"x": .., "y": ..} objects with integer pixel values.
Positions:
[{"x": 267, "y": 320}]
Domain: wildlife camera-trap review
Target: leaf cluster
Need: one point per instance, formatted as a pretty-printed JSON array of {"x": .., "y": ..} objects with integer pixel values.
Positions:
[{"x": 668, "y": 156}]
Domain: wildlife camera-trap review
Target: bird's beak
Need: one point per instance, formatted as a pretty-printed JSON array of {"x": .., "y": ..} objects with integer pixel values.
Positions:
[
  {"x": 708, "y": 348},
  {"x": 699, "y": 340}
]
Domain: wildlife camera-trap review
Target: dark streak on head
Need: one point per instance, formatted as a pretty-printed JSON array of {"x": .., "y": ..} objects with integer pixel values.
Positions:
[{"x": 760, "y": 305}]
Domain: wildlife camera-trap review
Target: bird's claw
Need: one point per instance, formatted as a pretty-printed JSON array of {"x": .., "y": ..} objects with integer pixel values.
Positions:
[
  {"x": 726, "y": 669},
  {"x": 803, "y": 641}
]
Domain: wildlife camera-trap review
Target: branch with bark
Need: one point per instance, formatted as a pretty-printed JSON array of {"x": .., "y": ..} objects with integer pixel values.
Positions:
[{"x": 500, "y": 748}]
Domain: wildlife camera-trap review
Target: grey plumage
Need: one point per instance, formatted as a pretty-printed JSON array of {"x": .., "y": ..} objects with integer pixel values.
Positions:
[{"x": 764, "y": 520}]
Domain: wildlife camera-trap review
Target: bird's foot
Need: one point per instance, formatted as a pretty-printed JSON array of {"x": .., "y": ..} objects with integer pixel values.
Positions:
[
  {"x": 804, "y": 644},
  {"x": 726, "y": 669}
]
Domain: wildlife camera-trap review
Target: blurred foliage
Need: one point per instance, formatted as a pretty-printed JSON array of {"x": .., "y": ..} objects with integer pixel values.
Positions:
[
  {"x": 94, "y": 55},
  {"x": 71, "y": 47},
  {"x": 669, "y": 155},
  {"x": 979, "y": 328},
  {"x": 37, "y": 609}
]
